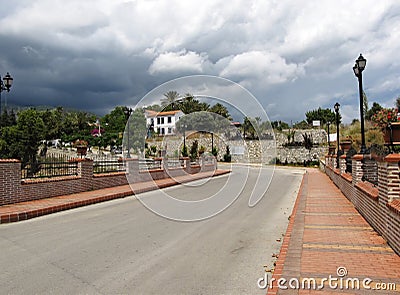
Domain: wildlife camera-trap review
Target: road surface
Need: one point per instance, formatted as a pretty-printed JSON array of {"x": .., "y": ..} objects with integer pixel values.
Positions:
[{"x": 122, "y": 247}]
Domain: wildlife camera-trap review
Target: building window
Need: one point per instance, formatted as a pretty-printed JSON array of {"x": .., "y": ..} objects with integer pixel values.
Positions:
[
  {"x": 163, "y": 131},
  {"x": 162, "y": 120},
  {"x": 169, "y": 130},
  {"x": 169, "y": 119},
  {"x": 158, "y": 121}
]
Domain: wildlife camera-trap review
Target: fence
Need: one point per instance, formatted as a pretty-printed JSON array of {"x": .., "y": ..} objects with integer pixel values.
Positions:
[
  {"x": 174, "y": 163},
  {"x": 51, "y": 166},
  {"x": 150, "y": 164},
  {"x": 370, "y": 160},
  {"x": 108, "y": 166}
]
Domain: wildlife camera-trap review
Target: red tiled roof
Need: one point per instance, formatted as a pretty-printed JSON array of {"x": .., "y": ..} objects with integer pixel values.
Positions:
[{"x": 151, "y": 113}]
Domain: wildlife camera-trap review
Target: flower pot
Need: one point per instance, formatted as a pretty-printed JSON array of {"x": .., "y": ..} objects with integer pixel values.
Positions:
[
  {"x": 81, "y": 150},
  {"x": 391, "y": 134},
  {"x": 332, "y": 150},
  {"x": 345, "y": 145}
]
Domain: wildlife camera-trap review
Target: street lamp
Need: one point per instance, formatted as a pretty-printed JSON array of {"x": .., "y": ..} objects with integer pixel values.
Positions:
[
  {"x": 358, "y": 69},
  {"x": 329, "y": 141},
  {"x": 5, "y": 84},
  {"x": 336, "y": 106},
  {"x": 184, "y": 138},
  {"x": 128, "y": 112},
  {"x": 212, "y": 143}
]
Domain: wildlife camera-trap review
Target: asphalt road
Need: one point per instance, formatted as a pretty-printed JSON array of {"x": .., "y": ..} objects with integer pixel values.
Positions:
[{"x": 122, "y": 247}]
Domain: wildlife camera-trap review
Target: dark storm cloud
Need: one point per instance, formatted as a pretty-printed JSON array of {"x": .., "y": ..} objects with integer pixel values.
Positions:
[{"x": 292, "y": 55}]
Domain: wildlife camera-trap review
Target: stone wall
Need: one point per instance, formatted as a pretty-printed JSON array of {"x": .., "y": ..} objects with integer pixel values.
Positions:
[{"x": 255, "y": 151}]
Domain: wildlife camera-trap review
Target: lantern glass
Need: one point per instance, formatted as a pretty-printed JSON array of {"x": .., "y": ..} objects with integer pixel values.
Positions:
[
  {"x": 8, "y": 80},
  {"x": 361, "y": 62},
  {"x": 356, "y": 70}
]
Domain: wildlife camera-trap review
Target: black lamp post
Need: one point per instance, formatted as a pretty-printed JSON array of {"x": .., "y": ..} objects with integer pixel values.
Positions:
[
  {"x": 212, "y": 143},
  {"x": 336, "y": 106},
  {"x": 329, "y": 141},
  {"x": 184, "y": 138},
  {"x": 128, "y": 112},
  {"x": 5, "y": 84},
  {"x": 358, "y": 69}
]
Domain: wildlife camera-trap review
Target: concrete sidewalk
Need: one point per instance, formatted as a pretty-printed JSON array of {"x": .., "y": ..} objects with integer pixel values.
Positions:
[
  {"x": 326, "y": 237},
  {"x": 26, "y": 210}
]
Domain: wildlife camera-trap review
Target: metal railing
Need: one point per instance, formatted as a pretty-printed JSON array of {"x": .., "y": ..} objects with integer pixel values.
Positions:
[
  {"x": 373, "y": 154},
  {"x": 349, "y": 161},
  {"x": 51, "y": 166},
  {"x": 109, "y": 166},
  {"x": 149, "y": 164},
  {"x": 174, "y": 163}
]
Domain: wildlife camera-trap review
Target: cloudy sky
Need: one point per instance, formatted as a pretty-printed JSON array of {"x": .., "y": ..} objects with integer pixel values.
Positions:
[{"x": 293, "y": 56}]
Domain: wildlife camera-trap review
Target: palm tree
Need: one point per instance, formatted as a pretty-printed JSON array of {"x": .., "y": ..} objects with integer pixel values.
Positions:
[
  {"x": 220, "y": 110},
  {"x": 170, "y": 102}
]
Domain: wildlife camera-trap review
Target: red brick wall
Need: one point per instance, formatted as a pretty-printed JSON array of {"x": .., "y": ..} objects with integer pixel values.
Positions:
[
  {"x": 13, "y": 190},
  {"x": 374, "y": 203}
]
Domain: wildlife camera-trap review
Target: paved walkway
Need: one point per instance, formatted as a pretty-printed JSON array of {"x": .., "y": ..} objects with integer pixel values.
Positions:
[
  {"x": 31, "y": 209},
  {"x": 327, "y": 236}
]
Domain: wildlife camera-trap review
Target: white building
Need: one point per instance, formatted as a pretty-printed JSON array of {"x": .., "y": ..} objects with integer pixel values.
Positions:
[{"x": 163, "y": 123}]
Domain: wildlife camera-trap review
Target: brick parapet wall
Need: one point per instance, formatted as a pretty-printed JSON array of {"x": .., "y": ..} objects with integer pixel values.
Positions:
[
  {"x": 376, "y": 204},
  {"x": 342, "y": 164},
  {"x": 13, "y": 189},
  {"x": 10, "y": 180},
  {"x": 356, "y": 168}
]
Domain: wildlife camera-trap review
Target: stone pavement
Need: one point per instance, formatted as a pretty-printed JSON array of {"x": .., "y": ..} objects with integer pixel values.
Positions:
[
  {"x": 31, "y": 209},
  {"x": 326, "y": 237}
]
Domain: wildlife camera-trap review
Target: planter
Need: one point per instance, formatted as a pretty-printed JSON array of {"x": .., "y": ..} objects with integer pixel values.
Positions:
[
  {"x": 82, "y": 150},
  {"x": 391, "y": 134},
  {"x": 345, "y": 145}
]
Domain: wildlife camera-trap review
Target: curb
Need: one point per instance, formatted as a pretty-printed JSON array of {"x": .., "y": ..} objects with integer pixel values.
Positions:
[
  {"x": 68, "y": 204},
  {"x": 278, "y": 271}
]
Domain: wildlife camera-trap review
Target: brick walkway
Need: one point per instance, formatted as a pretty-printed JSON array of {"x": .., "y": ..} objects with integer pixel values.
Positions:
[
  {"x": 31, "y": 209},
  {"x": 326, "y": 232}
]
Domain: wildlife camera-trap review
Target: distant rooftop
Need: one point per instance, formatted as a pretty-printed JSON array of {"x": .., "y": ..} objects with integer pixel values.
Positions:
[{"x": 151, "y": 113}]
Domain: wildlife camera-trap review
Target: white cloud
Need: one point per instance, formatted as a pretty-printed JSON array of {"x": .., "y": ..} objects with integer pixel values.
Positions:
[
  {"x": 177, "y": 62},
  {"x": 266, "y": 67}
]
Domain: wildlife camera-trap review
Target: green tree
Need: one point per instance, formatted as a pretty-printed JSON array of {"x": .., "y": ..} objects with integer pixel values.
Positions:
[
  {"x": 250, "y": 128},
  {"x": 114, "y": 125},
  {"x": 220, "y": 110},
  {"x": 376, "y": 107},
  {"x": 22, "y": 140},
  {"x": 280, "y": 125},
  {"x": 323, "y": 115},
  {"x": 194, "y": 150},
  {"x": 170, "y": 101},
  {"x": 190, "y": 105},
  {"x": 7, "y": 118},
  {"x": 301, "y": 125},
  {"x": 137, "y": 130}
]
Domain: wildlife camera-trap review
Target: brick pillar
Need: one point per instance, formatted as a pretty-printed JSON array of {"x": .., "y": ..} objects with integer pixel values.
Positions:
[
  {"x": 342, "y": 164},
  {"x": 133, "y": 175},
  {"x": 10, "y": 181},
  {"x": 334, "y": 161},
  {"x": 357, "y": 171},
  {"x": 188, "y": 168},
  {"x": 388, "y": 179},
  {"x": 85, "y": 171},
  {"x": 328, "y": 161}
]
